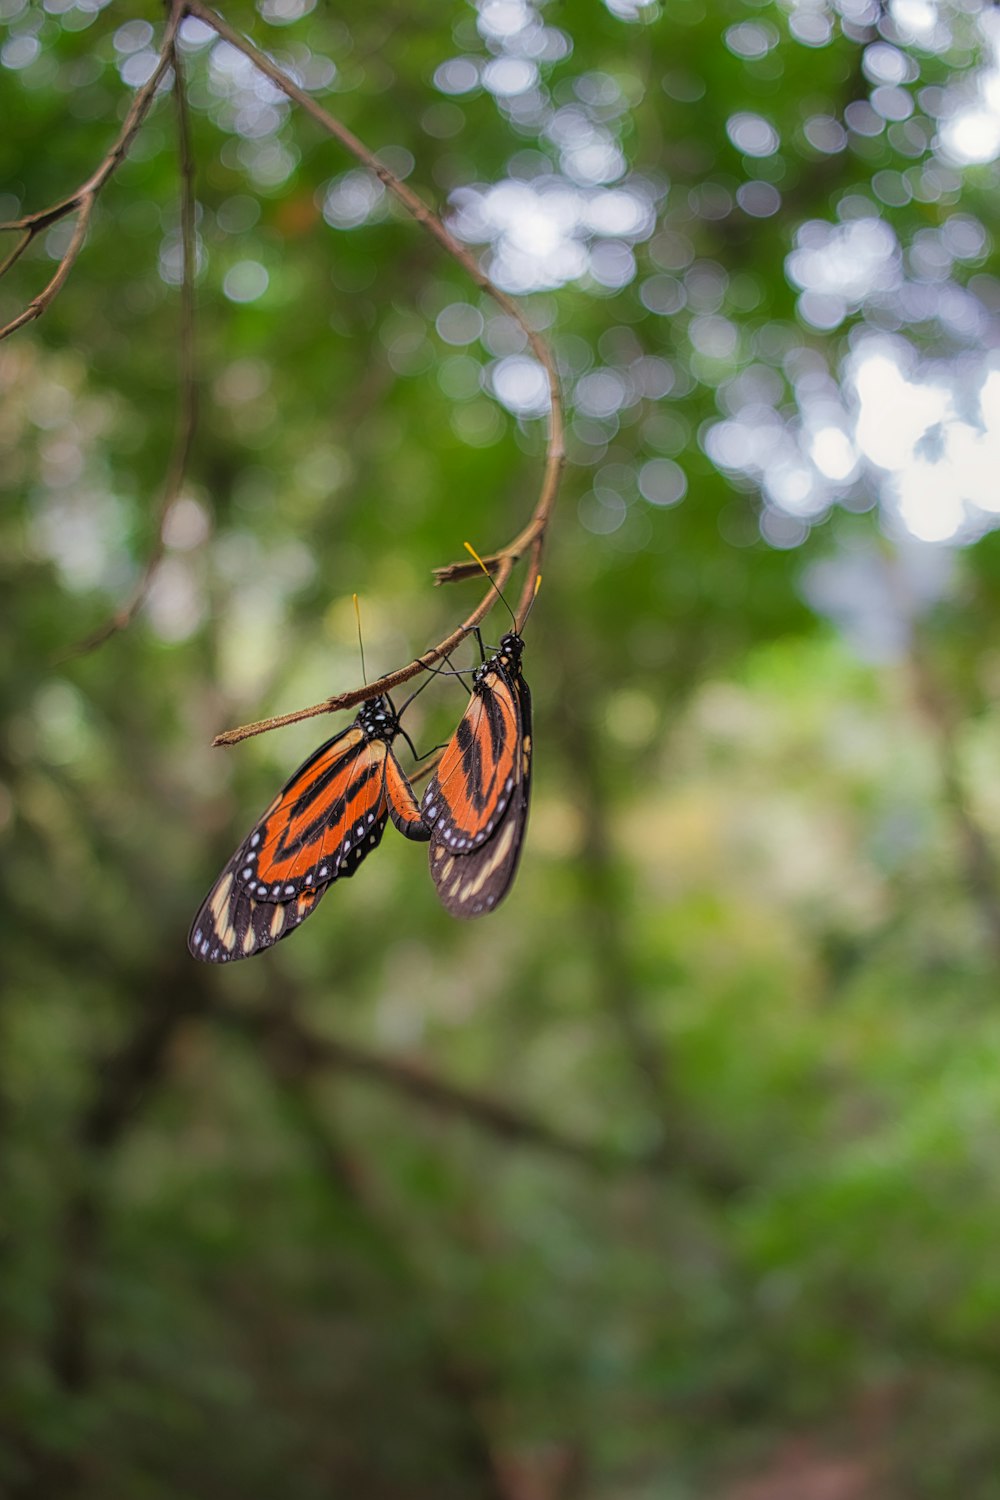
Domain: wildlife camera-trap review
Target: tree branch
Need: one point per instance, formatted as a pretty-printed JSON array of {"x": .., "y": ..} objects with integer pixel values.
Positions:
[
  {"x": 382, "y": 684},
  {"x": 982, "y": 876},
  {"x": 531, "y": 538},
  {"x": 678, "y": 1146},
  {"x": 83, "y": 200},
  {"x": 978, "y": 862},
  {"x": 123, "y": 1080},
  {"x": 462, "y": 1380},
  {"x": 187, "y": 400},
  {"x": 308, "y": 1053}
]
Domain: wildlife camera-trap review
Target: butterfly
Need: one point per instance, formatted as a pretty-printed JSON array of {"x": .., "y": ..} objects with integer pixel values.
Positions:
[
  {"x": 476, "y": 806},
  {"x": 319, "y": 828}
]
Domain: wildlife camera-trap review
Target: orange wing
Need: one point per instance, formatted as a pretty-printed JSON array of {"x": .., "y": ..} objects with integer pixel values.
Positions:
[
  {"x": 404, "y": 810},
  {"x": 479, "y": 770},
  {"x": 320, "y": 827},
  {"x": 473, "y": 874},
  {"x": 322, "y": 824}
]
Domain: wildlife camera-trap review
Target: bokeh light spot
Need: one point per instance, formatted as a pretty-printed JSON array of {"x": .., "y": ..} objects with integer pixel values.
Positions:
[
  {"x": 246, "y": 281},
  {"x": 662, "y": 482}
]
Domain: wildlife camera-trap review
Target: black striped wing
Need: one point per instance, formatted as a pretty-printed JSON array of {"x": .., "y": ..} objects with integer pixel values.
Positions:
[
  {"x": 478, "y": 802},
  {"x": 404, "y": 810},
  {"x": 324, "y": 822}
]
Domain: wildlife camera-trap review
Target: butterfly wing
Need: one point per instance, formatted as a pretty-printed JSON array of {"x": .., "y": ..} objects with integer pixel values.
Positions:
[
  {"x": 476, "y": 841},
  {"x": 322, "y": 823},
  {"x": 404, "y": 810},
  {"x": 231, "y": 924},
  {"x": 327, "y": 819},
  {"x": 479, "y": 771}
]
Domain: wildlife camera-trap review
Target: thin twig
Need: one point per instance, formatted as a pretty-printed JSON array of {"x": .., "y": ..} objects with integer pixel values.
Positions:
[
  {"x": 426, "y": 768},
  {"x": 187, "y": 400},
  {"x": 531, "y": 538},
  {"x": 385, "y": 684},
  {"x": 17, "y": 252},
  {"x": 83, "y": 200}
]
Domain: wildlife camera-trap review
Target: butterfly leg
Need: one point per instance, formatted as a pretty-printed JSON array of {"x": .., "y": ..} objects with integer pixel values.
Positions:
[{"x": 436, "y": 672}]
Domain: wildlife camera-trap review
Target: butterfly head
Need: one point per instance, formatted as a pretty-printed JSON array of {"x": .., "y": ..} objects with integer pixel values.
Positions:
[
  {"x": 508, "y": 654},
  {"x": 511, "y": 648},
  {"x": 378, "y": 720}
]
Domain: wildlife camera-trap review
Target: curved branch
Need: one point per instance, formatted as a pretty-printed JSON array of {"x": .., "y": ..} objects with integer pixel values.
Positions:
[
  {"x": 531, "y": 539},
  {"x": 382, "y": 684},
  {"x": 187, "y": 407},
  {"x": 83, "y": 200}
]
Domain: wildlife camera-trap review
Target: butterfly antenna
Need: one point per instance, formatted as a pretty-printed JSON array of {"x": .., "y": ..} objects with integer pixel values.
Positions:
[
  {"x": 493, "y": 584},
  {"x": 531, "y": 605},
  {"x": 361, "y": 644}
]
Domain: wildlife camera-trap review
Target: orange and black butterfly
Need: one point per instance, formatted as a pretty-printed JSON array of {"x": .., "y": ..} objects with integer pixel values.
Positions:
[
  {"x": 319, "y": 828},
  {"x": 476, "y": 806}
]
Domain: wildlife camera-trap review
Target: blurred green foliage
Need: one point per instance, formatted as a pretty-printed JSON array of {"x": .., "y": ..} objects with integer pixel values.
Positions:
[{"x": 677, "y": 1177}]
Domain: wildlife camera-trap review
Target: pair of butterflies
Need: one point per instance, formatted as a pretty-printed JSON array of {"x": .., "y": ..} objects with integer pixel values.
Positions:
[{"x": 333, "y": 812}]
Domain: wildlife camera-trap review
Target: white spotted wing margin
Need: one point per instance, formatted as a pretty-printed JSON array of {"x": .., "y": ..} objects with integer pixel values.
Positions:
[
  {"x": 473, "y": 881},
  {"x": 231, "y": 924},
  {"x": 323, "y": 824}
]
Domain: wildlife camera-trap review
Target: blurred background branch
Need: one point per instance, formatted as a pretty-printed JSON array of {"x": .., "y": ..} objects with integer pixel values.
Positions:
[
  {"x": 82, "y": 202},
  {"x": 312, "y": 1053},
  {"x": 187, "y": 398}
]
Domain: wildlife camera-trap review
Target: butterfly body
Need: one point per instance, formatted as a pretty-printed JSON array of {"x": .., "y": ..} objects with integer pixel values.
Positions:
[
  {"x": 326, "y": 819},
  {"x": 476, "y": 807}
]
